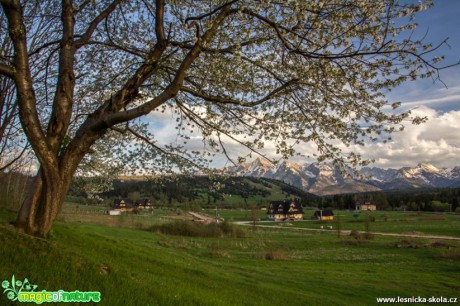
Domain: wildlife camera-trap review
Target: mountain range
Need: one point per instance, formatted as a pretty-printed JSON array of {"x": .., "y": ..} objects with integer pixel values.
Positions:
[{"x": 324, "y": 179}]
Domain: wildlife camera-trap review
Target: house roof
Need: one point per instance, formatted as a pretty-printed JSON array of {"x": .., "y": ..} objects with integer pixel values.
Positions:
[
  {"x": 286, "y": 207},
  {"x": 119, "y": 203},
  {"x": 364, "y": 202},
  {"x": 324, "y": 213},
  {"x": 143, "y": 202}
]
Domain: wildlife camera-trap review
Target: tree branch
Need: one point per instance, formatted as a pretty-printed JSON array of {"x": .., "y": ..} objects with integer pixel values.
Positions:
[
  {"x": 23, "y": 80},
  {"x": 201, "y": 122},
  {"x": 82, "y": 6},
  {"x": 223, "y": 100},
  {"x": 212, "y": 12},
  {"x": 159, "y": 21},
  {"x": 153, "y": 145},
  {"x": 6, "y": 70},
  {"x": 64, "y": 96},
  {"x": 14, "y": 160},
  {"x": 95, "y": 22},
  {"x": 170, "y": 91}
]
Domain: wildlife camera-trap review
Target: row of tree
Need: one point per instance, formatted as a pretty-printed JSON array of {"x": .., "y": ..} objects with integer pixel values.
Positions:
[
  {"x": 442, "y": 199},
  {"x": 204, "y": 191}
]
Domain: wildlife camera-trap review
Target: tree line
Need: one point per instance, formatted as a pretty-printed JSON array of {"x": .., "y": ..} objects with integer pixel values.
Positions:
[
  {"x": 205, "y": 191},
  {"x": 436, "y": 199}
]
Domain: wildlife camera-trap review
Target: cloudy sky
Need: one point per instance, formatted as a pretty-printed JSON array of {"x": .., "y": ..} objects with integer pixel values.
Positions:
[{"x": 437, "y": 141}]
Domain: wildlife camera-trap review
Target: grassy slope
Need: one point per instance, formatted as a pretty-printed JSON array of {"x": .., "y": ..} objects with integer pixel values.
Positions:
[{"x": 135, "y": 267}]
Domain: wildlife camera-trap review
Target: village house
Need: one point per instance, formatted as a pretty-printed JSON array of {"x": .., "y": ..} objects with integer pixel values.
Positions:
[
  {"x": 285, "y": 210},
  {"x": 324, "y": 215},
  {"x": 365, "y": 205},
  {"x": 121, "y": 205},
  {"x": 144, "y": 204}
]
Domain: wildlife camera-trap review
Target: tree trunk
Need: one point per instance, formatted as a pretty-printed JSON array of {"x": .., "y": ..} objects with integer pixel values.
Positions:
[{"x": 42, "y": 204}]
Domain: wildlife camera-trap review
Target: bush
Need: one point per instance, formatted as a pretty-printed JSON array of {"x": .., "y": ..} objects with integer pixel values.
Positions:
[
  {"x": 274, "y": 255},
  {"x": 409, "y": 243},
  {"x": 450, "y": 254},
  {"x": 216, "y": 252},
  {"x": 197, "y": 229},
  {"x": 361, "y": 236},
  {"x": 355, "y": 234}
]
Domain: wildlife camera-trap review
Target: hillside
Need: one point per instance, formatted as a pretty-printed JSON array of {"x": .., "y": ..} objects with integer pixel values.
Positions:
[
  {"x": 204, "y": 192},
  {"x": 266, "y": 267}
]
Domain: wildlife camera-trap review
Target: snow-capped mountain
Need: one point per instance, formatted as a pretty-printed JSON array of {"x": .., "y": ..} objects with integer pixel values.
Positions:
[
  {"x": 423, "y": 175},
  {"x": 324, "y": 179}
]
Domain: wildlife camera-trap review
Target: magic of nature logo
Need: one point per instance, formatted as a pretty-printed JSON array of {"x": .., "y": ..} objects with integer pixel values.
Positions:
[{"x": 24, "y": 291}]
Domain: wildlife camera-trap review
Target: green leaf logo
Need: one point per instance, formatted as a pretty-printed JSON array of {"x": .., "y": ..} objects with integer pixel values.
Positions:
[{"x": 14, "y": 288}]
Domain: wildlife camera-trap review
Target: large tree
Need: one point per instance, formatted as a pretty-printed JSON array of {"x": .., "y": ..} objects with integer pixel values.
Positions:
[{"x": 284, "y": 72}]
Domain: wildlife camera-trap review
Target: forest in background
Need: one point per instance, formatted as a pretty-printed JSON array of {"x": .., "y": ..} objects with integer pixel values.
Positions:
[
  {"x": 189, "y": 192},
  {"x": 244, "y": 192}
]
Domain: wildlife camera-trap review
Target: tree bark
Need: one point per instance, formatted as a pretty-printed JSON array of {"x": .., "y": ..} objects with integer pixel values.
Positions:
[{"x": 43, "y": 203}]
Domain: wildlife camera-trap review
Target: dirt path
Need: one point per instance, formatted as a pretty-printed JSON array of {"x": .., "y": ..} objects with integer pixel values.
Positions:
[
  {"x": 347, "y": 232},
  {"x": 202, "y": 217}
]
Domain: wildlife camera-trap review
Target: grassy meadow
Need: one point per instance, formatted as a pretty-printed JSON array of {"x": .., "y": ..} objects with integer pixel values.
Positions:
[
  {"x": 385, "y": 221},
  {"x": 132, "y": 265}
]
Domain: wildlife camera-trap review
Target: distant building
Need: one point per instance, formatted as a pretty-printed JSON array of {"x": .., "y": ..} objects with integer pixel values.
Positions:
[
  {"x": 324, "y": 215},
  {"x": 285, "y": 210},
  {"x": 144, "y": 204},
  {"x": 365, "y": 205},
  {"x": 122, "y": 205}
]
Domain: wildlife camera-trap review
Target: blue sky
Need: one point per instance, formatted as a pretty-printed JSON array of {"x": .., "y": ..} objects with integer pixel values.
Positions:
[
  {"x": 437, "y": 141},
  {"x": 439, "y": 22}
]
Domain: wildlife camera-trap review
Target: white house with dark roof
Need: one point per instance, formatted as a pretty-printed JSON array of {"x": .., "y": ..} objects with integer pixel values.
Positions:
[{"x": 285, "y": 210}]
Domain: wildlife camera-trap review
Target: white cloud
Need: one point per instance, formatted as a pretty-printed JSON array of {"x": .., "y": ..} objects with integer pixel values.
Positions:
[{"x": 437, "y": 141}]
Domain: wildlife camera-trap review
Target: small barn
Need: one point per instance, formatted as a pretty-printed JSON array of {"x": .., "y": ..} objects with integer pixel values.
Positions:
[
  {"x": 324, "y": 215},
  {"x": 285, "y": 210}
]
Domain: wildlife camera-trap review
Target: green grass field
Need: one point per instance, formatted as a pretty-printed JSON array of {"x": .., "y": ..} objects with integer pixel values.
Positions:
[
  {"x": 387, "y": 222},
  {"x": 133, "y": 266}
]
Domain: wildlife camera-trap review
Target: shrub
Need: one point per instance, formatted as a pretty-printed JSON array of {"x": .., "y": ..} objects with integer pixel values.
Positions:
[
  {"x": 450, "y": 254},
  {"x": 215, "y": 251},
  {"x": 409, "y": 243},
  {"x": 274, "y": 255},
  {"x": 361, "y": 236},
  {"x": 198, "y": 229},
  {"x": 355, "y": 234},
  {"x": 368, "y": 236},
  {"x": 439, "y": 244}
]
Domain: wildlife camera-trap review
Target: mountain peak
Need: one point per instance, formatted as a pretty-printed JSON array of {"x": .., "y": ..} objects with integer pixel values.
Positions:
[
  {"x": 323, "y": 178},
  {"x": 428, "y": 168},
  {"x": 259, "y": 161}
]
